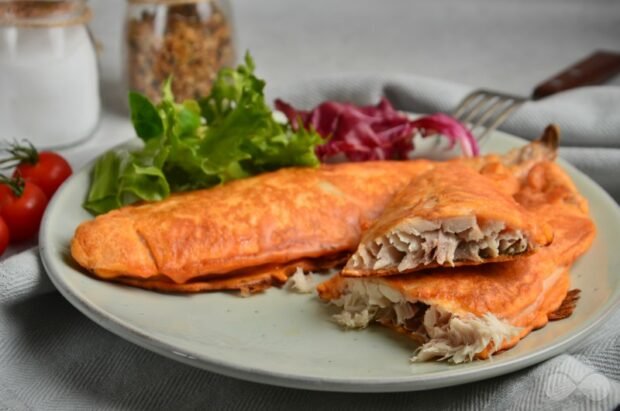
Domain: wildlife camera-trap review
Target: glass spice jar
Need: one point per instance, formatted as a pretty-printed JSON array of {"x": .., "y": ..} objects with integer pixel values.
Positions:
[
  {"x": 49, "y": 75},
  {"x": 188, "y": 40}
]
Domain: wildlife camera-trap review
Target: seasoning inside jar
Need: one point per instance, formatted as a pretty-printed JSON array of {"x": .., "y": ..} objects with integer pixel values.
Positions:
[{"x": 183, "y": 39}]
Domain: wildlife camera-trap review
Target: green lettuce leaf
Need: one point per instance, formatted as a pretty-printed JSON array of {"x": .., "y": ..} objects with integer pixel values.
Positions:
[
  {"x": 103, "y": 193},
  {"x": 229, "y": 134},
  {"x": 145, "y": 117}
]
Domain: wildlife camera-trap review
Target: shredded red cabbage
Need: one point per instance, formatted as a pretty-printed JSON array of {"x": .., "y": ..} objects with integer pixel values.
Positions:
[{"x": 378, "y": 132}]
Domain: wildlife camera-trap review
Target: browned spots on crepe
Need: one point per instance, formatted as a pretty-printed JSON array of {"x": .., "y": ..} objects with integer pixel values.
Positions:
[{"x": 567, "y": 307}]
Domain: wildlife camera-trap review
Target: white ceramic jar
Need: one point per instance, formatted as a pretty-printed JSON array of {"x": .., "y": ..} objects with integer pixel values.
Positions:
[{"x": 49, "y": 77}]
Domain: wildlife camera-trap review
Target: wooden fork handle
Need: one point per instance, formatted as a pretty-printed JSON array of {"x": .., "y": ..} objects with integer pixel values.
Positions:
[{"x": 595, "y": 69}]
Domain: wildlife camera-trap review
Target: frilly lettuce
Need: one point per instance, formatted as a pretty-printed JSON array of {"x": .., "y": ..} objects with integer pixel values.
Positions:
[{"x": 228, "y": 135}]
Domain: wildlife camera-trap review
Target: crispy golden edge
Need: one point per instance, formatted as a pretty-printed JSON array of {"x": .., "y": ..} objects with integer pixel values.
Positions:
[
  {"x": 250, "y": 281},
  {"x": 567, "y": 307}
]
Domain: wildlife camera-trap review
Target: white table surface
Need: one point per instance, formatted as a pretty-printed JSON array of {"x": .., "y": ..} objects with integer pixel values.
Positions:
[{"x": 501, "y": 44}]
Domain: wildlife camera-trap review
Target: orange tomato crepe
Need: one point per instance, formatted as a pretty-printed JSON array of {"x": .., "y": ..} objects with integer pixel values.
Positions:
[
  {"x": 241, "y": 228},
  {"x": 250, "y": 234},
  {"x": 463, "y": 313},
  {"x": 449, "y": 216}
]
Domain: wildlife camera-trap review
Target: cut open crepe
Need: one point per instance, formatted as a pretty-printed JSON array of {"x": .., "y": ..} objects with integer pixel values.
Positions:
[
  {"x": 462, "y": 313},
  {"x": 449, "y": 216},
  {"x": 250, "y": 234}
]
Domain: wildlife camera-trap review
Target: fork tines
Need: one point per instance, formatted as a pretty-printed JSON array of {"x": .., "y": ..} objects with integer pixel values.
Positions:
[{"x": 485, "y": 110}]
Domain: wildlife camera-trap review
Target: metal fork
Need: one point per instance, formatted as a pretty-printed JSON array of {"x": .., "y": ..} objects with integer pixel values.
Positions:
[{"x": 485, "y": 110}]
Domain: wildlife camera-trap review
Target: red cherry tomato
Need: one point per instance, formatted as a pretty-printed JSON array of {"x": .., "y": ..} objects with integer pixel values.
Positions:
[
  {"x": 4, "y": 236},
  {"x": 24, "y": 209},
  {"x": 5, "y": 195},
  {"x": 47, "y": 170}
]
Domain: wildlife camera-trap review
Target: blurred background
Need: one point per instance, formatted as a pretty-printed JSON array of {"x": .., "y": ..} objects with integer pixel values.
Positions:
[{"x": 503, "y": 44}]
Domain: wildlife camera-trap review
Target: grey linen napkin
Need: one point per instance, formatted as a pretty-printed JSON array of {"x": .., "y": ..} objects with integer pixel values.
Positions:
[{"x": 53, "y": 357}]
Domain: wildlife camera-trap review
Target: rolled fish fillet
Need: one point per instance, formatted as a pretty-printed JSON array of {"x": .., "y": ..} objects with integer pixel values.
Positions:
[
  {"x": 449, "y": 216},
  {"x": 459, "y": 314},
  {"x": 250, "y": 234}
]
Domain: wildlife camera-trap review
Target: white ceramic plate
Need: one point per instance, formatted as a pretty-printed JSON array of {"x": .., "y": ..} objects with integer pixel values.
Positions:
[{"x": 287, "y": 339}]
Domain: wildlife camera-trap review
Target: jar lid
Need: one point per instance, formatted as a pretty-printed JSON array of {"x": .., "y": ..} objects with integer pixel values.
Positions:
[
  {"x": 43, "y": 13},
  {"x": 167, "y": 2}
]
